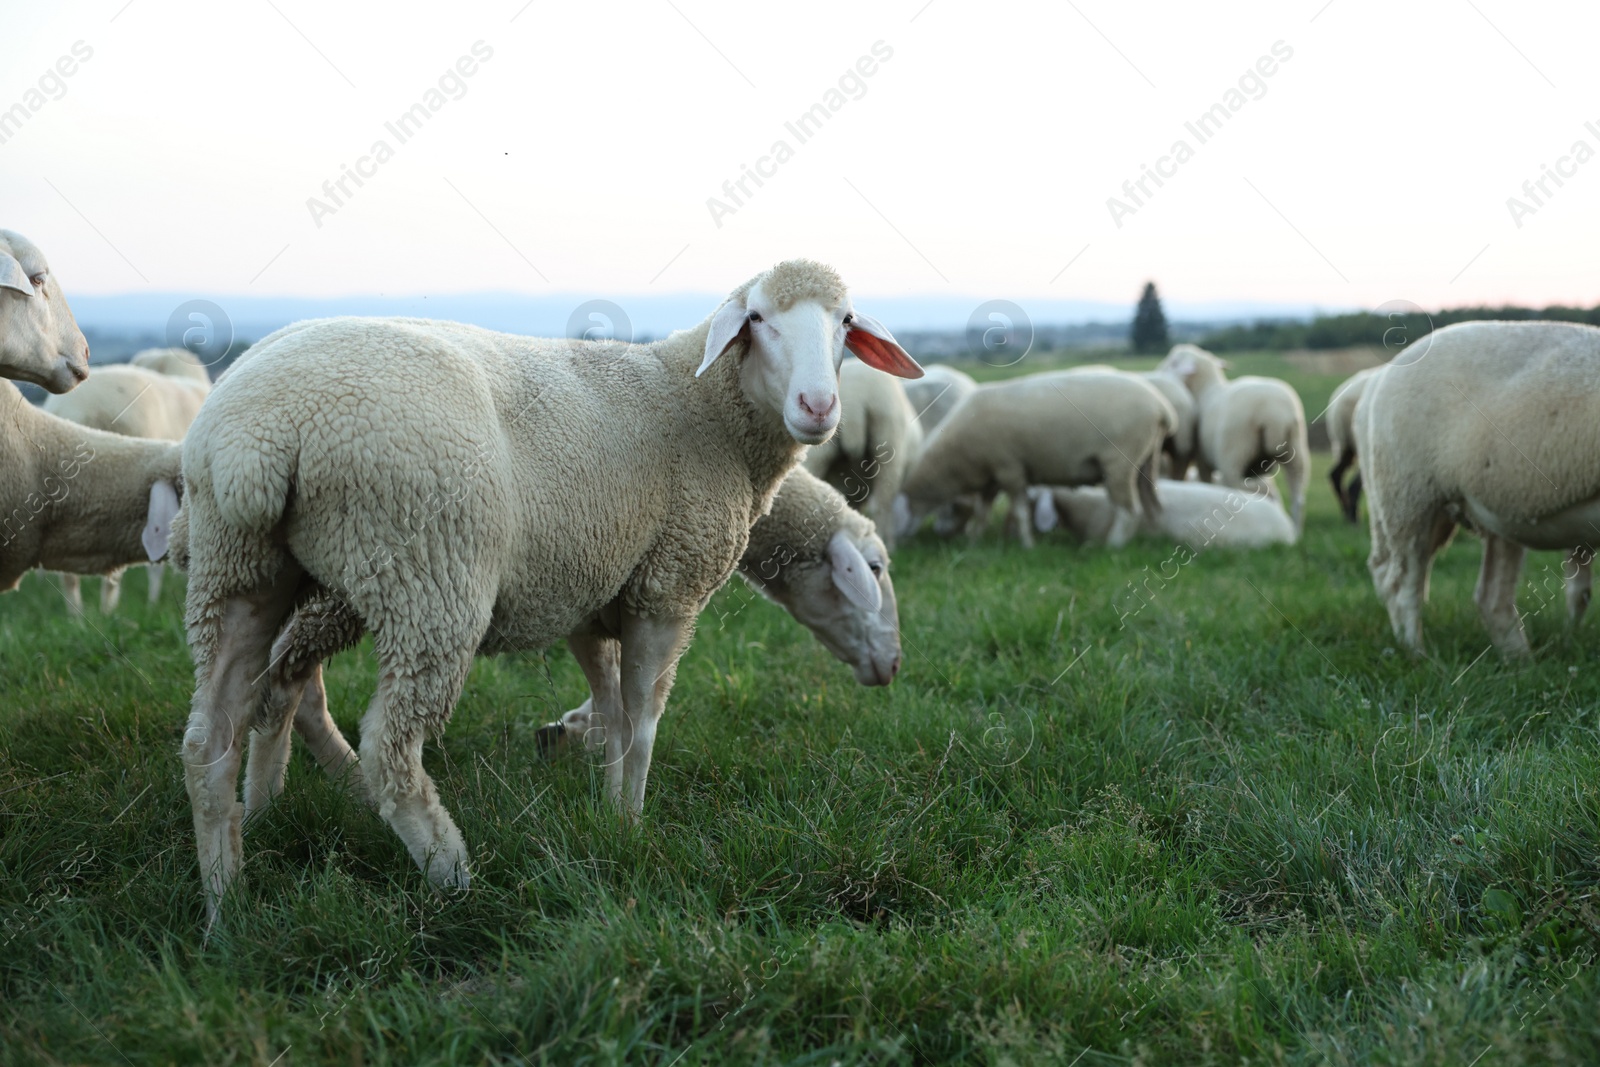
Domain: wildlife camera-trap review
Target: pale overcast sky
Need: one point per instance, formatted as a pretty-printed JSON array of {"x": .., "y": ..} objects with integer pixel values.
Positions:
[{"x": 976, "y": 158}]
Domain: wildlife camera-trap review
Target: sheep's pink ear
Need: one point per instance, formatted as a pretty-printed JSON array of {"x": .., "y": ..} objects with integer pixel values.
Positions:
[
  {"x": 875, "y": 346},
  {"x": 158, "y": 523},
  {"x": 12, "y": 276},
  {"x": 852, "y": 575},
  {"x": 726, "y": 325}
]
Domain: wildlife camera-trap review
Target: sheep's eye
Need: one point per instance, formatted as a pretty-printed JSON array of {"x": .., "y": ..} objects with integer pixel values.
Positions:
[
  {"x": 877, "y": 568},
  {"x": 755, "y": 316},
  {"x": 848, "y": 319},
  {"x": 38, "y": 280}
]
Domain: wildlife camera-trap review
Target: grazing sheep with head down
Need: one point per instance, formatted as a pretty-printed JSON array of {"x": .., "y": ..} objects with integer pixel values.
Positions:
[
  {"x": 39, "y": 339},
  {"x": 1078, "y": 427},
  {"x": 1491, "y": 425},
  {"x": 469, "y": 492},
  {"x": 1341, "y": 439},
  {"x": 877, "y": 443},
  {"x": 1248, "y": 426}
]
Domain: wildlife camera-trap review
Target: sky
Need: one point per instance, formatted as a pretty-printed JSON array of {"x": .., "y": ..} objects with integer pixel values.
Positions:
[{"x": 1364, "y": 153}]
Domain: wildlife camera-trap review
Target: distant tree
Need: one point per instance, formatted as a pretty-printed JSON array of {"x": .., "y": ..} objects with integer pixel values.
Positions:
[{"x": 1149, "y": 333}]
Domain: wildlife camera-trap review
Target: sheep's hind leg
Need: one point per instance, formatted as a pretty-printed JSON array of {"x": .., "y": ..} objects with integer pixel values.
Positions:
[
  {"x": 322, "y": 736},
  {"x": 110, "y": 592},
  {"x": 415, "y": 697},
  {"x": 1496, "y": 594},
  {"x": 1400, "y": 564},
  {"x": 154, "y": 572},
  {"x": 236, "y": 636},
  {"x": 1579, "y": 562},
  {"x": 72, "y": 589},
  {"x": 597, "y": 722}
]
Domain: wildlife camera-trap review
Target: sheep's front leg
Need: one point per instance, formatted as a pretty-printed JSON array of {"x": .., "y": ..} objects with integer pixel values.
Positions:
[
  {"x": 650, "y": 649},
  {"x": 1497, "y": 594},
  {"x": 322, "y": 736},
  {"x": 72, "y": 589},
  {"x": 155, "y": 571},
  {"x": 594, "y": 722}
]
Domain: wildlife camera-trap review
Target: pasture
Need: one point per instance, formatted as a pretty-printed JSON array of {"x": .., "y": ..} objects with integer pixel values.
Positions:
[{"x": 1223, "y": 820}]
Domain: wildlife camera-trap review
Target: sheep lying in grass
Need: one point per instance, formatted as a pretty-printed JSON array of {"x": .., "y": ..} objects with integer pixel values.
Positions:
[
  {"x": 136, "y": 402},
  {"x": 1492, "y": 425},
  {"x": 39, "y": 339},
  {"x": 1342, "y": 441},
  {"x": 935, "y": 395},
  {"x": 1194, "y": 513},
  {"x": 1060, "y": 428},
  {"x": 1247, "y": 427},
  {"x": 812, "y": 554},
  {"x": 76, "y": 499},
  {"x": 468, "y": 492},
  {"x": 877, "y": 443}
]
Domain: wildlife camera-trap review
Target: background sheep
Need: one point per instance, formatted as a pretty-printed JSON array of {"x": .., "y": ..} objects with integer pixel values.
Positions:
[
  {"x": 1194, "y": 513},
  {"x": 1495, "y": 425},
  {"x": 1248, "y": 426},
  {"x": 76, "y": 499},
  {"x": 174, "y": 362},
  {"x": 136, "y": 402},
  {"x": 1060, "y": 428},
  {"x": 546, "y": 488},
  {"x": 936, "y": 394},
  {"x": 1178, "y": 450},
  {"x": 1342, "y": 441},
  {"x": 39, "y": 339},
  {"x": 876, "y": 445}
]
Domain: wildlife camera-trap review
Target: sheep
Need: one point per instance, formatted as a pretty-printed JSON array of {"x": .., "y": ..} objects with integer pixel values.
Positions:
[
  {"x": 1058, "y": 428},
  {"x": 877, "y": 443},
  {"x": 812, "y": 554},
  {"x": 1342, "y": 442},
  {"x": 467, "y": 492},
  {"x": 1178, "y": 450},
  {"x": 78, "y": 499},
  {"x": 1197, "y": 514},
  {"x": 936, "y": 394},
  {"x": 1490, "y": 425},
  {"x": 1247, "y": 426},
  {"x": 175, "y": 362},
  {"x": 39, "y": 338},
  {"x": 136, "y": 402}
]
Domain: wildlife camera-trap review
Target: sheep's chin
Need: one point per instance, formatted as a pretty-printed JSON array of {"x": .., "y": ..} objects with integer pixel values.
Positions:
[{"x": 811, "y": 432}]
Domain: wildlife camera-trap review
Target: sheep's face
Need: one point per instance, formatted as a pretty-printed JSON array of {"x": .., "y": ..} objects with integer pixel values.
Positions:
[
  {"x": 795, "y": 345},
  {"x": 847, "y": 600},
  {"x": 39, "y": 339},
  {"x": 1192, "y": 365}
]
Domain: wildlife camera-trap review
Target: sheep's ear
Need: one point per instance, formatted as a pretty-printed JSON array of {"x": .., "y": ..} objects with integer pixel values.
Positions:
[
  {"x": 1045, "y": 516},
  {"x": 875, "y": 346},
  {"x": 12, "y": 276},
  {"x": 158, "y": 523},
  {"x": 726, "y": 325},
  {"x": 852, "y": 575}
]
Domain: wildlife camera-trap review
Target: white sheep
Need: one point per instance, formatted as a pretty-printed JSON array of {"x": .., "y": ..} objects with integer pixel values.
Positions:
[
  {"x": 1073, "y": 427},
  {"x": 174, "y": 362},
  {"x": 1179, "y": 448},
  {"x": 76, "y": 499},
  {"x": 1491, "y": 425},
  {"x": 877, "y": 443},
  {"x": 1248, "y": 427},
  {"x": 1197, "y": 514},
  {"x": 1341, "y": 439},
  {"x": 936, "y": 394},
  {"x": 468, "y": 492},
  {"x": 39, "y": 339},
  {"x": 812, "y": 554},
  {"x": 136, "y": 402}
]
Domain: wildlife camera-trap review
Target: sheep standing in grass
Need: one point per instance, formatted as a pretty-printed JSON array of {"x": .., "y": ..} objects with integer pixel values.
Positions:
[
  {"x": 136, "y": 402},
  {"x": 39, "y": 339},
  {"x": 877, "y": 443},
  {"x": 1178, "y": 450},
  {"x": 467, "y": 492},
  {"x": 1248, "y": 427},
  {"x": 76, "y": 499},
  {"x": 1492, "y": 425},
  {"x": 812, "y": 554},
  {"x": 1076, "y": 427},
  {"x": 935, "y": 395},
  {"x": 1342, "y": 442},
  {"x": 1197, "y": 514}
]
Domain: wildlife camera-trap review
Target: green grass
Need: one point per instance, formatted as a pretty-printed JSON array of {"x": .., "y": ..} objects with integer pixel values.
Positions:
[{"x": 1240, "y": 827}]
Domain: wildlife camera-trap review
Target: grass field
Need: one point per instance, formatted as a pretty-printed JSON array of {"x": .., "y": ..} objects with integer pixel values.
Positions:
[{"x": 1234, "y": 824}]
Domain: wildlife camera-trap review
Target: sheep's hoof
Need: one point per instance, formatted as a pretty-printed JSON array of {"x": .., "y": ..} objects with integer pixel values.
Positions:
[{"x": 550, "y": 739}]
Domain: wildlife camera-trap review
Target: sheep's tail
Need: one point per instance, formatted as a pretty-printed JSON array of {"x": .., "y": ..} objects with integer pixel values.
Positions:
[
  {"x": 252, "y": 480},
  {"x": 1147, "y": 484}
]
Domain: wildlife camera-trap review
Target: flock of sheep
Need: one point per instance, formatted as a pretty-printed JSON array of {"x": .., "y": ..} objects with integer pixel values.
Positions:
[{"x": 456, "y": 492}]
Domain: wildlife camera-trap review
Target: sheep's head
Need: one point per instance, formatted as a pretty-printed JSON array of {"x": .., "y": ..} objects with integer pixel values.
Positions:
[
  {"x": 39, "y": 339},
  {"x": 797, "y": 321},
  {"x": 845, "y": 598},
  {"x": 1193, "y": 366}
]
